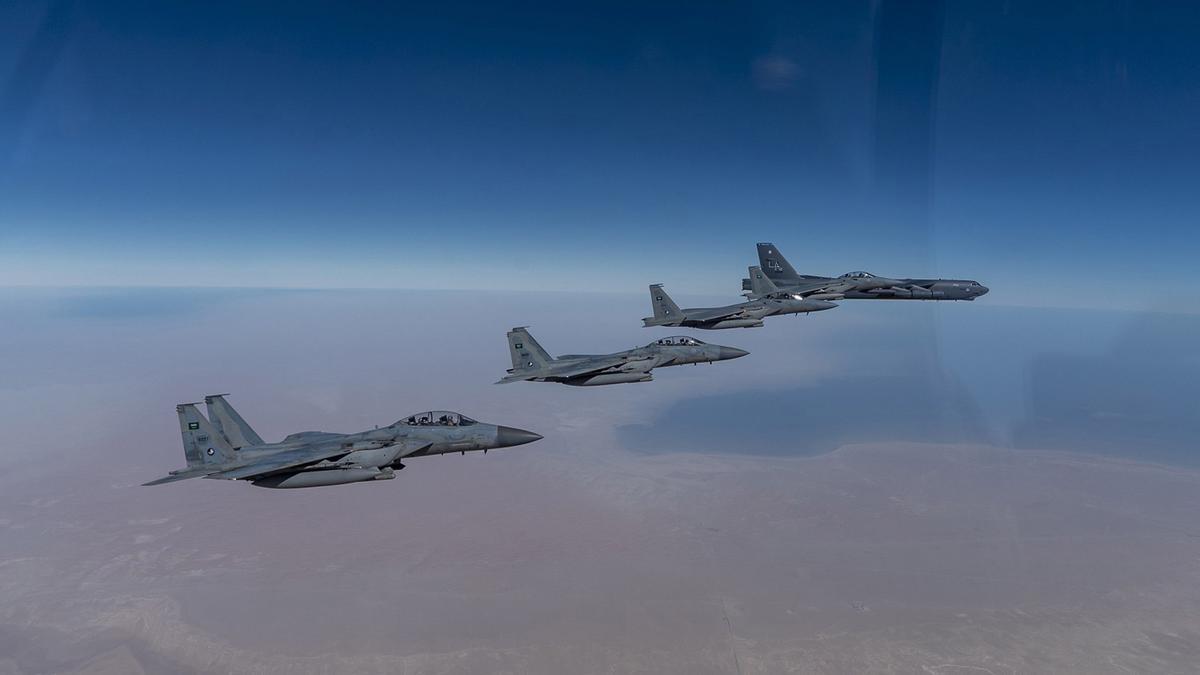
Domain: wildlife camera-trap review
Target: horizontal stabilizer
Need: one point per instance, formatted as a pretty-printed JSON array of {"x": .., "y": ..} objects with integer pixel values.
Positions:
[{"x": 180, "y": 475}]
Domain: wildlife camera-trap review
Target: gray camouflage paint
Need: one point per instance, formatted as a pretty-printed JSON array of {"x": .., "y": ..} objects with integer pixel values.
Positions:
[
  {"x": 531, "y": 362},
  {"x": 749, "y": 314},
  {"x": 224, "y": 446},
  {"x": 855, "y": 285}
]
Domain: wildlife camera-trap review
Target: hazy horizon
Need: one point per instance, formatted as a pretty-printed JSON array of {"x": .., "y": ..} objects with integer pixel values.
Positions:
[
  {"x": 868, "y": 468},
  {"x": 333, "y": 212}
]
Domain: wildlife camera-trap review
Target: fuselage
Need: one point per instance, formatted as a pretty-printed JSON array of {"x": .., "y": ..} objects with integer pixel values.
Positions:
[
  {"x": 741, "y": 315},
  {"x": 376, "y": 453},
  {"x": 918, "y": 289},
  {"x": 862, "y": 286},
  {"x": 634, "y": 365}
]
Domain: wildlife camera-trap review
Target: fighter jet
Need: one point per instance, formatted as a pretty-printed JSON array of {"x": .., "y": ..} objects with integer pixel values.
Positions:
[
  {"x": 223, "y": 446},
  {"x": 856, "y": 285},
  {"x": 531, "y": 362},
  {"x": 741, "y": 315}
]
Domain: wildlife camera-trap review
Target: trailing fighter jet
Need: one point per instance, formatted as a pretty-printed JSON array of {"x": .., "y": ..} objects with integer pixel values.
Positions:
[
  {"x": 224, "y": 446},
  {"x": 531, "y": 362},
  {"x": 741, "y": 315},
  {"x": 856, "y": 285}
]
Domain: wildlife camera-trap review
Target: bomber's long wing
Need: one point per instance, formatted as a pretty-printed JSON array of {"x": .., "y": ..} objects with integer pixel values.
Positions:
[
  {"x": 905, "y": 288},
  {"x": 568, "y": 366}
]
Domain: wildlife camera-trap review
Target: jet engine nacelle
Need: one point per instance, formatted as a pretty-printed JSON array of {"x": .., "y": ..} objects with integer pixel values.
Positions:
[
  {"x": 611, "y": 378},
  {"x": 738, "y": 323},
  {"x": 303, "y": 479}
]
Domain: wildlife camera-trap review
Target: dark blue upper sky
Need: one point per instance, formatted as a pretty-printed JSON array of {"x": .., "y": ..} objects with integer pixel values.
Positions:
[{"x": 606, "y": 145}]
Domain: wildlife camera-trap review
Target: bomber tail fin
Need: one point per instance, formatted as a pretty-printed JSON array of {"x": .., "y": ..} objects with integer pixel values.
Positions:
[
  {"x": 666, "y": 312},
  {"x": 230, "y": 423},
  {"x": 773, "y": 264},
  {"x": 203, "y": 444},
  {"x": 526, "y": 353}
]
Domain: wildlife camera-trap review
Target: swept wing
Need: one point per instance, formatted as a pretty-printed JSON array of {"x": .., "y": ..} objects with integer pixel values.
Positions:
[
  {"x": 289, "y": 459},
  {"x": 567, "y": 367}
]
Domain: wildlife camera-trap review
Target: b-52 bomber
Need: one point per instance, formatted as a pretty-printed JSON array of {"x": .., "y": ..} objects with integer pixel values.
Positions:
[
  {"x": 748, "y": 314},
  {"x": 223, "y": 446},
  {"x": 531, "y": 362},
  {"x": 855, "y": 285}
]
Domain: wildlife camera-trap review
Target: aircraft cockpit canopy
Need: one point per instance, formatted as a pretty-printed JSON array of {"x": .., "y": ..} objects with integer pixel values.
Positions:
[
  {"x": 858, "y": 275},
  {"x": 436, "y": 418},
  {"x": 678, "y": 341}
]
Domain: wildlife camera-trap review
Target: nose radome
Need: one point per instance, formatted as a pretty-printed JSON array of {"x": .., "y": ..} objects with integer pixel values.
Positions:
[
  {"x": 726, "y": 353},
  {"x": 982, "y": 290},
  {"x": 510, "y": 436}
]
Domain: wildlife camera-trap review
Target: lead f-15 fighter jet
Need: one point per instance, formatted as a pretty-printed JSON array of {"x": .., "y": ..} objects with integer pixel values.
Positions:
[
  {"x": 531, "y": 362},
  {"x": 856, "y": 285},
  {"x": 748, "y": 314},
  {"x": 224, "y": 446}
]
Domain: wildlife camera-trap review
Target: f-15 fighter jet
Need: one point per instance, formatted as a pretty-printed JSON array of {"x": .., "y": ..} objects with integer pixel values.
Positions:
[
  {"x": 531, "y": 362},
  {"x": 748, "y": 314},
  {"x": 856, "y": 285},
  {"x": 224, "y": 446}
]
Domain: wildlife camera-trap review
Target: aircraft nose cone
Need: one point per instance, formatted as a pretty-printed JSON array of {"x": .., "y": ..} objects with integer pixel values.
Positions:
[
  {"x": 982, "y": 290},
  {"x": 510, "y": 436},
  {"x": 731, "y": 353}
]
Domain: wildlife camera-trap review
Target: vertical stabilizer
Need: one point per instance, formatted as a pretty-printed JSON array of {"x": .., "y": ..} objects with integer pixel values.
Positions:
[
  {"x": 665, "y": 309},
  {"x": 761, "y": 286},
  {"x": 202, "y": 443},
  {"x": 229, "y": 423},
  {"x": 526, "y": 353},
  {"x": 773, "y": 264}
]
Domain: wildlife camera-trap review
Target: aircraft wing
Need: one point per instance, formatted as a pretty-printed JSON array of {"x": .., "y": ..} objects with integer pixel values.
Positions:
[
  {"x": 806, "y": 288},
  {"x": 825, "y": 286},
  {"x": 568, "y": 369},
  {"x": 291, "y": 459},
  {"x": 717, "y": 313}
]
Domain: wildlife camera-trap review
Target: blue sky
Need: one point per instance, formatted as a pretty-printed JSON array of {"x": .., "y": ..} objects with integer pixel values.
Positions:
[{"x": 601, "y": 146}]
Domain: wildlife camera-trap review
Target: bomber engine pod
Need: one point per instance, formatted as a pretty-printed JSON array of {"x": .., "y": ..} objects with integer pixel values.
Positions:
[{"x": 306, "y": 479}]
